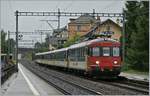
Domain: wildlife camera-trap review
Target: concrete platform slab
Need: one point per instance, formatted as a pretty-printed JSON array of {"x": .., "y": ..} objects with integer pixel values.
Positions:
[
  {"x": 135, "y": 76},
  {"x": 28, "y": 84}
]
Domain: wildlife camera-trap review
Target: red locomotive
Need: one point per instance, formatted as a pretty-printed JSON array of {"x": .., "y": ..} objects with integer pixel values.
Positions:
[
  {"x": 104, "y": 57},
  {"x": 100, "y": 57}
]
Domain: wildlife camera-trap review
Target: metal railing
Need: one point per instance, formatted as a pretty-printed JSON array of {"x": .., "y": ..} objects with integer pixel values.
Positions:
[{"x": 6, "y": 72}]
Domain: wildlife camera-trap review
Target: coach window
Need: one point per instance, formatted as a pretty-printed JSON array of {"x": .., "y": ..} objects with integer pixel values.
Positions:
[
  {"x": 89, "y": 51},
  {"x": 96, "y": 51},
  {"x": 106, "y": 51},
  {"x": 116, "y": 51}
]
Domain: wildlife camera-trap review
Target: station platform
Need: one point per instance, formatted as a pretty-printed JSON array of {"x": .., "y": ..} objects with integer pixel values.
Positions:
[
  {"x": 135, "y": 76},
  {"x": 26, "y": 83}
]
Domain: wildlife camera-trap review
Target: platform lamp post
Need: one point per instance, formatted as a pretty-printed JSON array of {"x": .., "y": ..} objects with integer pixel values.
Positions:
[{"x": 16, "y": 13}]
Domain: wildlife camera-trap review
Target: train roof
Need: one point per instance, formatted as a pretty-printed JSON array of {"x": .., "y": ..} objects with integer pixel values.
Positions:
[
  {"x": 86, "y": 43},
  {"x": 82, "y": 44},
  {"x": 58, "y": 50}
]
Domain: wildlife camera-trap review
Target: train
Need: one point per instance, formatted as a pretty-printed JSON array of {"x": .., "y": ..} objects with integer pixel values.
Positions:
[{"x": 97, "y": 57}]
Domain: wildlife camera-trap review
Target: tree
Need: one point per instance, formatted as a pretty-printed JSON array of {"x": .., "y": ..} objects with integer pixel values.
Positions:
[
  {"x": 8, "y": 44},
  {"x": 41, "y": 47},
  {"x": 11, "y": 44},
  {"x": 130, "y": 27},
  {"x": 72, "y": 40},
  {"x": 3, "y": 42},
  {"x": 138, "y": 35}
]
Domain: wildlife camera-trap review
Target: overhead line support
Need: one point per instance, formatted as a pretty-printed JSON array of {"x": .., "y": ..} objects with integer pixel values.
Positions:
[{"x": 68, "y": 14}]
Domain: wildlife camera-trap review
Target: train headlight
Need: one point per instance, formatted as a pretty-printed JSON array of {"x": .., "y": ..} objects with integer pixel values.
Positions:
[
  {"x": 97, "y": 62},
  {"x": 115, "y": 62}
]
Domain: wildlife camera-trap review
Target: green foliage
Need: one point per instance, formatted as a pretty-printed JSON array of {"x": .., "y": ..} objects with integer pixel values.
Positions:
[
  {"x": 72, "y": 41},
  {"x": 3, "y": 41},
  {"x": 5, "y": 44},
  {"x": 41, "y": 47},
  {"x": 28, "y": 55},
  {"x": 137, "y": 31},
  {"x": 11, "y": 44}
]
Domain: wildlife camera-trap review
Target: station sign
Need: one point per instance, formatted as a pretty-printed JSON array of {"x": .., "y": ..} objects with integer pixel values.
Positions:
[{"x": 107, "y": 33}]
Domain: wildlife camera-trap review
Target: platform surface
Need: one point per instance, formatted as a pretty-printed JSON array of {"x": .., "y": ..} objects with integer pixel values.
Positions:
[
  {"x": 135, "y": 76},
  {"x": 28, "y": 84}
]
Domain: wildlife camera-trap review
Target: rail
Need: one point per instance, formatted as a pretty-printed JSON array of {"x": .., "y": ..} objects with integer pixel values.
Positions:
[
  {"x": 77, "y": 85},
  {"x": 55, "y": 81}
]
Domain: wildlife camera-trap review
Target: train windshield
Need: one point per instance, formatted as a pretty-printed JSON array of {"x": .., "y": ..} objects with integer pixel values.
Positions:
[
  {"x": 106, "y": 51},
  {"x": 96, "y": 51},
  {"x": 116, "y": 51}
]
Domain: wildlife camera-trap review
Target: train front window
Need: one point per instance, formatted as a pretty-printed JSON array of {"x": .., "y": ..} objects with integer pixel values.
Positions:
[
  {"x": 106, "y": 51},
  {"x": 96, "y": 51},
  {"x": 116, "y": 51}
]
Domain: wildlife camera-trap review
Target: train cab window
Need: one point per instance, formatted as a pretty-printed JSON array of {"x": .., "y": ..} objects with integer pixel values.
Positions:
[
  {"x": 116, "y": 51},
  {"x": 96, "y": 51},
  {"x": 106, "y": 51}
]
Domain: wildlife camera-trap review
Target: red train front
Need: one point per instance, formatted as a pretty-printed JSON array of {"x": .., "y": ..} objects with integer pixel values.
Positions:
[{"x": 104, "y": 58}]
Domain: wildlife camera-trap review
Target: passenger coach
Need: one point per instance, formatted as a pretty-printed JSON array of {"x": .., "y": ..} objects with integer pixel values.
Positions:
[{"x": 100, "y": 56}]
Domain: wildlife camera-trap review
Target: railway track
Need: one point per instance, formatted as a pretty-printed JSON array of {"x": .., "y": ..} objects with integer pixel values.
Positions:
[
  {"x": 53, "y": 80},
  {"x": 142, "y": 86},
  {"x": 128, "y": 85},
  {"x": 122, "y": 82},
  {"x": 82, "y": 86}
]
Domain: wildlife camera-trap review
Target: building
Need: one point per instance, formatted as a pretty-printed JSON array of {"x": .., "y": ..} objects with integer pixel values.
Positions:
[
  {"x": 87, "y": 24},
  {"x": 81, "y": 25},
  {"x": 109, "y": 27},
  {"x": 58, "y": 38}
]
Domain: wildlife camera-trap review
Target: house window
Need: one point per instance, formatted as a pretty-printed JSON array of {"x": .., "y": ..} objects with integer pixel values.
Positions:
[
  {"x": 78, "y": 28},
  {"x": 108, "y": 28}
]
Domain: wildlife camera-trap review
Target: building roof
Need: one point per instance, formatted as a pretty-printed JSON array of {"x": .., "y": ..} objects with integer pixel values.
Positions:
[
  {"x": 60, "y": 29},
  {"x": 109, "y": 20},
  {"x": 97, "y": 24},
  {"x": 86, "y": 18}
]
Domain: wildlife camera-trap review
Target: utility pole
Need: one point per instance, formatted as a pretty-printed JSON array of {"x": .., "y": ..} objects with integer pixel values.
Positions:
[
  {"x": 123, "y": 37},
  {"x": 8, "y": 44},
  {"x": 17, "y": 40},
  {"x": 93, "y": 13},
  {"x": 41, "y": 37},
  {"x": 58, "y": 18}
]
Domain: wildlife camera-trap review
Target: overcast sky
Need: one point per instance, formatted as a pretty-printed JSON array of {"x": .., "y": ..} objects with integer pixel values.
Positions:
[{"x": 8, "y": 7}]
